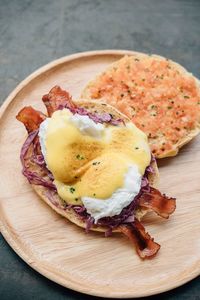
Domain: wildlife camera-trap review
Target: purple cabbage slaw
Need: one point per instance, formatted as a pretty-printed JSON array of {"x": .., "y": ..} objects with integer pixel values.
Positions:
[
  {"x": 37, "y": 178},
  {"x": 28, "y": 160},
  {"x": 97, "y": 118}
]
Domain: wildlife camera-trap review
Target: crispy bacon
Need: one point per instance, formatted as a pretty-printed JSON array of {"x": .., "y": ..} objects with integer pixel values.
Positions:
[
  {"x": 144, "y": 243},
  {"x": 31, "y": 118},
  {"x": 57, "y": 99},
  {"x": 159, "y": 203}
]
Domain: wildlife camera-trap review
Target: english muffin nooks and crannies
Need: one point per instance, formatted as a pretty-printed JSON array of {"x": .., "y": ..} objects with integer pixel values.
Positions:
[
  {"x": 92, "y": 165},
  {"x": 157, "y": 94}
]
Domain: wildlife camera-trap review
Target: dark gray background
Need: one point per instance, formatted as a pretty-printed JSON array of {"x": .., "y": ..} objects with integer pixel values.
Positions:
[{"x": 32, "y": 33}]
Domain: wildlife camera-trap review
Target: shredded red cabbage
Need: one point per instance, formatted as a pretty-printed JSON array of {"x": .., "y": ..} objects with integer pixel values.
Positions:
[
  {"x": 28, "y": 158},
  {"x": 97, "y": 118}
]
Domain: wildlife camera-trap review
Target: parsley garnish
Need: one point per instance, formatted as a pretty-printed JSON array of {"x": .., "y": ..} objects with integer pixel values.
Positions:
[
  {"x": 72, "y": 190},
  {"x": 79, "y": 157},
  {"x": 96, "y": 163}
]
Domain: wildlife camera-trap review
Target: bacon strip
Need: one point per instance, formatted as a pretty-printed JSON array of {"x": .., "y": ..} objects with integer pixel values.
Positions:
[
  {"x": 144, "y": 243},
  {"x": 31, "y": 118},
  {"x": 57, "y": 99},
  {"x": 160, "y": 204}
]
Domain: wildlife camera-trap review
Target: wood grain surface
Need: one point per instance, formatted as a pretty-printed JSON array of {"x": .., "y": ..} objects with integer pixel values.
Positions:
[{"x": 91, "y": 263}]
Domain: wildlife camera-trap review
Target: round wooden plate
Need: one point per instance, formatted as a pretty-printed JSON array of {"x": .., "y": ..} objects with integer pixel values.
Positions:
[{"x": 91, "y": 263}]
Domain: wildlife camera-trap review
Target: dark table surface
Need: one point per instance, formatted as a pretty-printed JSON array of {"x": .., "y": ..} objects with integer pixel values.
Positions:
[{"x": 32, "y": 33}]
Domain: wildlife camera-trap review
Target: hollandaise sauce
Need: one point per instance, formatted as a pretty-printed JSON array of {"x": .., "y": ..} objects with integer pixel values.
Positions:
[{"x": 89, "y": 160}]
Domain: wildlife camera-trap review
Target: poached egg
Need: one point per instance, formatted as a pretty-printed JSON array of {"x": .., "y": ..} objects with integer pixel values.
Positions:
[{"x": 99, "y": 166}]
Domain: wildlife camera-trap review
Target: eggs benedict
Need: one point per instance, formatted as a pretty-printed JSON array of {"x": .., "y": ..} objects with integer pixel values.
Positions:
[{"x": 93, "y": 166}]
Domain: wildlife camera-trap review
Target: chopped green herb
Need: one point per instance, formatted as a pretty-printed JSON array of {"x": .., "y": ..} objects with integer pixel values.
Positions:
[
  {"x": 79, "y": 157},
  {"x": 72, "y": 190},
  {"x": 137, "y": 59},
  {"x": 169, "y": 107},
  {"x": 136, "y": 148},
  {"x": 96, "y": 163},
  {"x": 198, "y": 102},
  {"x": 186, "y": 97},
  {"x": 76, "y": 199},
  {"x": 94, "y": 194}
]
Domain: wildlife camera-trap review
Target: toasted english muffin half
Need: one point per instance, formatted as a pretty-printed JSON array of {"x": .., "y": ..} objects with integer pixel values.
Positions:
[
  {"x": 56, "y": 203},
  {"x": 157, "y": 94}
]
